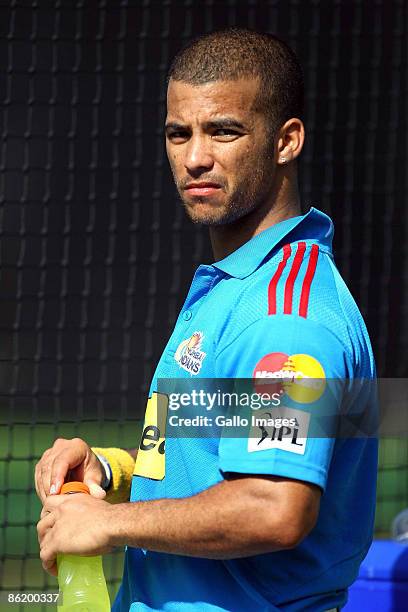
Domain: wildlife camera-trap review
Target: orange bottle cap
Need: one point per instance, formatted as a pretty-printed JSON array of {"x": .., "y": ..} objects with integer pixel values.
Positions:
[{"x": 74, "y": 487}]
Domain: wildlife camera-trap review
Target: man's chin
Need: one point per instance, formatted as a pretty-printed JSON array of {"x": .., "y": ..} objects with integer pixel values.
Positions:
[
  {"x": 209, "y": 219},
  {"x": 204, "y": 212},
  {"x": 210, "y": 214}
]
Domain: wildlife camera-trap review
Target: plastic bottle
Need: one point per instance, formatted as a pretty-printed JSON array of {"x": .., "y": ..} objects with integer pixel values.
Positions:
[
  {"x": 81, "y": 579},
  {"x": 400, "y": 527}
]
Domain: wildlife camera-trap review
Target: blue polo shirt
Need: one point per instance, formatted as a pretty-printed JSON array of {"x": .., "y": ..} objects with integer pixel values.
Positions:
[{"x": 274, "y": 311}]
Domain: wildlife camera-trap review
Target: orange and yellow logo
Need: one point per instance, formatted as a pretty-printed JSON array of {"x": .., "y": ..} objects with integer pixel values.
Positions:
[{"x": 300, "y": 376}]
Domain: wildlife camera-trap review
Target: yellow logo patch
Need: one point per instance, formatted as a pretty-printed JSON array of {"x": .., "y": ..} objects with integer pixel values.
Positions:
[
  {"x": 150, "y": 460},
  {"x": 308, "y": 382}
]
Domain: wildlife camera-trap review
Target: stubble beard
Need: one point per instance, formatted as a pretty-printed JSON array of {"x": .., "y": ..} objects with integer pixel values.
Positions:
[{"x": 246, "y": 198}]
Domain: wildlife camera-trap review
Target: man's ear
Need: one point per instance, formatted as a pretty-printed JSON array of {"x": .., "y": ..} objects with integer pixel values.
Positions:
[{"x": 290, "y": 141}]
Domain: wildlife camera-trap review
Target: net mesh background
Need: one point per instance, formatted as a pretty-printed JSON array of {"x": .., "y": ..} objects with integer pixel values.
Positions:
[{"x": 96, "y": 253}]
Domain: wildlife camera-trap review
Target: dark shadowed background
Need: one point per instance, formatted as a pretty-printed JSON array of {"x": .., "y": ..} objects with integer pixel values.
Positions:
[{"x": 96, "y": 254}]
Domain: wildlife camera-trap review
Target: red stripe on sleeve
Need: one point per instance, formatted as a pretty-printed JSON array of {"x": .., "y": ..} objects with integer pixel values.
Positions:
[
  {"x": 307, "y": 282},
  {"x": 287, "y": 251},
  {"x": 290, "y": 281}
]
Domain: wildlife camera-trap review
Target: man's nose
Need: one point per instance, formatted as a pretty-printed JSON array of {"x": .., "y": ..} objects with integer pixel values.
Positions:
[{"x": 198, "y": 154}]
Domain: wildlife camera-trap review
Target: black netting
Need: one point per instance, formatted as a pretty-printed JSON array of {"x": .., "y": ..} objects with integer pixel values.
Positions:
[{"x": 96, "y": 254}]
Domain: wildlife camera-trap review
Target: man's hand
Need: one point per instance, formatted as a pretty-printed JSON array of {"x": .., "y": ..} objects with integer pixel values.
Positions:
[
  {"x": 241, "y": 516},
  {"x": 68, "y": 459},
  {"x": 75, "y": 525}
]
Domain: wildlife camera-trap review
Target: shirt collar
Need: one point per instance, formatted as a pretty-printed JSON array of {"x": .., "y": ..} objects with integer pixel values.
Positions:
[{"x": 314, "y": 225}]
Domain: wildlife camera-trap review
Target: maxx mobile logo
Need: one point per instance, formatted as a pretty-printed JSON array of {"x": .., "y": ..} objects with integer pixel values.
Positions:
[
  {"x": 189, "y": 355},
  {"x": 300, "y": 376}
]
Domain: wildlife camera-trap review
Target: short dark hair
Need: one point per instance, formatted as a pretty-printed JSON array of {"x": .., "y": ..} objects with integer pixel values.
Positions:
[{"x": 237, "y": 52}]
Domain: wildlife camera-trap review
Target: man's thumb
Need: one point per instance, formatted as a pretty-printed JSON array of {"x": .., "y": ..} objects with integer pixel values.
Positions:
[{"x": 94, "y": 489}]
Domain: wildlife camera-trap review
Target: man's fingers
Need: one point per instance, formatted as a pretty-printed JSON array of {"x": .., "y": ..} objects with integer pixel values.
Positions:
[
  {"x": 53, "y": 501},
  {"x": 47, "y": 522},
  {"x": 48, "y": 560},
  {"x": 51, "y": 568},
  {"x": 47, "y": 552},
  {"x": 59, "y": 470},
  {"x": 95, "y": 490},
  {"x": 43, "y": 514},
  {"x": 45, "y": 539},
  {"x": 72, "y": 454},
  {"x": 45, "y": 475},
  {"x": 42, "y": 474},
  {"x": 68, "y": 460},
  {"x": 39, "y": 484}
]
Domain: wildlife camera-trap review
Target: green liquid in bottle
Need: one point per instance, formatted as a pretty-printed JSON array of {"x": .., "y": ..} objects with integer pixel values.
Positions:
[
  {"x": 81, "y": 579},
  {"x": 82, "y": 584}
]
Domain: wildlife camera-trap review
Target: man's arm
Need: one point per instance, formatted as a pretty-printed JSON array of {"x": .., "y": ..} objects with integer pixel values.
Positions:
[{"x": 238, "y": 517}]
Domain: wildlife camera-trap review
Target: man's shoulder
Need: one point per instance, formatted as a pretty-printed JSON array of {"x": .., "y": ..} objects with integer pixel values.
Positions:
[
  {"x": 295, "y": 275},
  {"x": 298, "y": 280}
]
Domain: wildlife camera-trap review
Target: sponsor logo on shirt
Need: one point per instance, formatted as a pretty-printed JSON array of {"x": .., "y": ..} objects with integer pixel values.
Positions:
[
  {"x": 290, "y": 436},
  {"x": 150, "y": 461},
  {"x": 189, "y": 355},
  {"x": 300, "y": 376}
]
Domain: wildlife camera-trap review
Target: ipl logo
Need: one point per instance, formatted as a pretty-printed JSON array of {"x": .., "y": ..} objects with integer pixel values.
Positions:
[{"x": 188, "y": 354}]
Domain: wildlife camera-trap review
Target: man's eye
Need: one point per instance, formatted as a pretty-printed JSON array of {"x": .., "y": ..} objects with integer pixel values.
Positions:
[
  {"x": 177, "y": 135},
  {"x": 226, "y": 133}
]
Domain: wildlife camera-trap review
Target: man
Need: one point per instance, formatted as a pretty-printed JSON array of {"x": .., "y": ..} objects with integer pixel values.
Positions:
[{"x": 276, "y": 523}]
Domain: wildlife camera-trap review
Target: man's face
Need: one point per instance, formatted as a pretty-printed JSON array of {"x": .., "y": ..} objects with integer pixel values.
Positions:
[{"x": 219, "y": 149}]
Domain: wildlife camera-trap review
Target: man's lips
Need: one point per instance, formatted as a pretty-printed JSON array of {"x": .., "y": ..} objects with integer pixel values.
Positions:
[{"x": 202, "y": 189}]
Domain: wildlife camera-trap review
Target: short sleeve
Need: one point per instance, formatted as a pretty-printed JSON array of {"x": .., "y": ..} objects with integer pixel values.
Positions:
[{"x": 304, "y": 366}]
